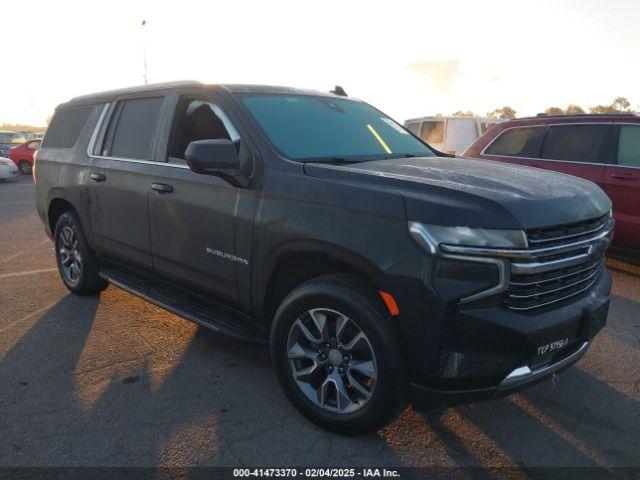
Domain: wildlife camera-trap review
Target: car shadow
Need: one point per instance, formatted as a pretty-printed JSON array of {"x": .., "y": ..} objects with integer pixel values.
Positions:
[{"x": 115, "y": 381}]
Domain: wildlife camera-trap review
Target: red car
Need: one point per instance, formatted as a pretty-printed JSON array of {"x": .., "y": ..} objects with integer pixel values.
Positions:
[
  {"x": 22, "y": 155},
  {"x": 602, "y": 148}
]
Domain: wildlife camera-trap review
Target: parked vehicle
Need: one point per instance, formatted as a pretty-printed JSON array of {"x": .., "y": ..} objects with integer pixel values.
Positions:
[
  {"x": 451, "y": 135},
  {"x": 22, "y": 155},
  {"x": 8, "y": 169},
  {"x": 316, "y": 223},
  {"x": 10, "y": 139},
  {"x": 602, "y": 148}
]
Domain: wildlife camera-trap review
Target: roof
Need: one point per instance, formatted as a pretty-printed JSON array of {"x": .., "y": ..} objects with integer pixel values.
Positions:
[
  {"x": 581, "y": 116},
  {"x": 233, "y": 88},
  {"x": 449, "y": 117}
]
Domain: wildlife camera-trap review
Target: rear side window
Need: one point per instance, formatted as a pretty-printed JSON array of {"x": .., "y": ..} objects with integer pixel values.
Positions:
[
  {"x": 517, "y": 142},
  {"x": 432, "y": 132},
  {"x": 575, "y": 143},
  {"x": 629, "y": 146},
  {"x": 132, "y": 128},
  {"x": 65, "y": 127}
]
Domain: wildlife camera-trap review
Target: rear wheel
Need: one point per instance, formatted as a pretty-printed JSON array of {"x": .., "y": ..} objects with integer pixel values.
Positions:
[
  {"x": 77, "y": 264},
  {"x": 24, "y": 167},
  {"x": 337, "y": 356}
]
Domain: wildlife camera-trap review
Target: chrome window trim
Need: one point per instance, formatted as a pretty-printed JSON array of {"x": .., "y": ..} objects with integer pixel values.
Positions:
[
  {"x": 131, "y": 160},
  {"x": 96, "y": 129}
]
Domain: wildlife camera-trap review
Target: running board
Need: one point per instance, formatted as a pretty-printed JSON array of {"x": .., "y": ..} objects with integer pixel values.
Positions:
[{"x": 212, "y": 315}]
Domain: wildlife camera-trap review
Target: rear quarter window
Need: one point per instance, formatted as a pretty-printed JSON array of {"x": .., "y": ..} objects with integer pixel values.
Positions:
[
  {"x": 65, "y": 127},
  {"x": 629, "y": 146},
  {"x": 517, "y": 142}
]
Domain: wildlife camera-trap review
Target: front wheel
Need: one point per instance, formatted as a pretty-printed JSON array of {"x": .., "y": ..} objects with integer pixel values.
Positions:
[
  {"x": 24, "y": 167},
  {"x": 337, "y": 356},
  {"x": 77, "y": 264}
]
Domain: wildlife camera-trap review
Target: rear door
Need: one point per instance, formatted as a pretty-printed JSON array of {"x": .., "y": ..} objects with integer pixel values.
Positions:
[
  {"x": 622, "y": 184},
  {"x": 580, "y": 150},
  {"x": 120, "y": 170}
]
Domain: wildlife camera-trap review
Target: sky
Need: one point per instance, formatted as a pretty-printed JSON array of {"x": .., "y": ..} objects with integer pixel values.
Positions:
[{"x": 406, "y": 58}]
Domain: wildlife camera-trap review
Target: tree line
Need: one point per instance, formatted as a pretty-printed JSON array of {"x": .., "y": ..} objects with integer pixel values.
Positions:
[{"x": 618, "y": 105}]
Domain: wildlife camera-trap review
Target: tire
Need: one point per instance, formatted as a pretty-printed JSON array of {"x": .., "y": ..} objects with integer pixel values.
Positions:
[
  {"x": 310, "y": 373},
  {"x": 24, "y": 167},
  {"x": 77, "y": 264}
]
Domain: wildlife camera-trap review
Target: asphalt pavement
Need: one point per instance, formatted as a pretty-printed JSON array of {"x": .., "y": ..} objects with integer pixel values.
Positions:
[{"x": 115, "y": 381}]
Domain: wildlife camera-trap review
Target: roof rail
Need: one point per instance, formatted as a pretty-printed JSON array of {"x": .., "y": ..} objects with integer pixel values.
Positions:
[{"x": 578, "y": 115}]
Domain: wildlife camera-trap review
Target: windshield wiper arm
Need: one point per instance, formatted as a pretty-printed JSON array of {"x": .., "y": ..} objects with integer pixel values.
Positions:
[
  {"x": 338, "y": 160},
  {"x": 403, "y": 155}
]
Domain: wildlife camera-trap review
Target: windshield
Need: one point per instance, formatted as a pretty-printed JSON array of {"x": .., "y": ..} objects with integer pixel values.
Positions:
[{"x": 305, "y": 127}]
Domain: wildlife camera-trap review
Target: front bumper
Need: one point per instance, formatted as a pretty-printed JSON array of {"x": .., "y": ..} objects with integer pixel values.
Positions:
[{"x": 493, "y": 352}]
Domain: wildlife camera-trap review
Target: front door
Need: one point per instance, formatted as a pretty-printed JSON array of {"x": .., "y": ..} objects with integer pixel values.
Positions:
[{"x": 201, "y": 225}]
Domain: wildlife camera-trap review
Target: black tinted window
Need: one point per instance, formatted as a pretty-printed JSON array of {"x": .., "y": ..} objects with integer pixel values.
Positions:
[
  {"x": 65, "y": 127},
  {"x": 575, "y": 143},
  {"x": 517, "y": 142},
  {"x": 136, "y": 123}
]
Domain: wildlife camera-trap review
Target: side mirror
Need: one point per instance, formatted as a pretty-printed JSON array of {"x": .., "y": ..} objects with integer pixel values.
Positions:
[
  {"x": 213, "y": 157},
  {"x": 218, "y": 157}
]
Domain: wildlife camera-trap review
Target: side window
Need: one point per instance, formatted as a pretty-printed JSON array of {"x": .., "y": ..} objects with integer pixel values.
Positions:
[
  {"x": 575, "y": 143},
  {"x": 517, "y": 142},
  {"x": 65, "y": 127},
  {"x": 34, "y": 145},
  {"x": 432, "y": 131},
  {"x": 199, "y": 120},
  {"x": 629, "y": 146},
  {"x": 132, "y": 127},
  {"x": 414, "y": 128}
]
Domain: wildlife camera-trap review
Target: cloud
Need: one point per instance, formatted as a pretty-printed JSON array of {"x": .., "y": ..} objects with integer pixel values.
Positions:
[{"x": 439, "y": 73}]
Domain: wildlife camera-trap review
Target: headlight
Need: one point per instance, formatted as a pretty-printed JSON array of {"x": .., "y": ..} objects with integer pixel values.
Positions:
[{"x": 430, "y": 237}]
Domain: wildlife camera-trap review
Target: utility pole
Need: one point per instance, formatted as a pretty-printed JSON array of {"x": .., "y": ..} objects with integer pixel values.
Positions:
[{"x": 144, "y": 50}]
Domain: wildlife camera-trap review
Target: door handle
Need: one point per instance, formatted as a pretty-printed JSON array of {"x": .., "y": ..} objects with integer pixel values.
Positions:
[
  {"x": 98, "y": 177},
  {"x": 624, "y": 176},
  {"x": 161, "y": 187}
]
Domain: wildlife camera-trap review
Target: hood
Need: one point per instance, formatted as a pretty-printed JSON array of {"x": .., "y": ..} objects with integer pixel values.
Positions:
[{"x": 476, "y": 193}]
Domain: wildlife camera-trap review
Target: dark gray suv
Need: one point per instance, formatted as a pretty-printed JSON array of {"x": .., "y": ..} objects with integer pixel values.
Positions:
[{"x": 377, "y": 269}]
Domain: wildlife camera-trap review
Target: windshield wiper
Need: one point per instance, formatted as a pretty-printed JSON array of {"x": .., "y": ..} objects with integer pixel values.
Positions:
[
  {"x": 337, "y": 160},
  {"x": 403, "y": 155}
]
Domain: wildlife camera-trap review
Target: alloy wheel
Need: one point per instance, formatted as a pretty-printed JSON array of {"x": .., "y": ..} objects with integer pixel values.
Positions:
[
  {"x": 332, "y": 360},
  {"x": 69, "y": 256}
]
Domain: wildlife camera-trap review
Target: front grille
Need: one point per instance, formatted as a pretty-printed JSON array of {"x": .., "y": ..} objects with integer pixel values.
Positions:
[
  {"x": 561, "y": 262},
  {"x": 562, "y": 234}
]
